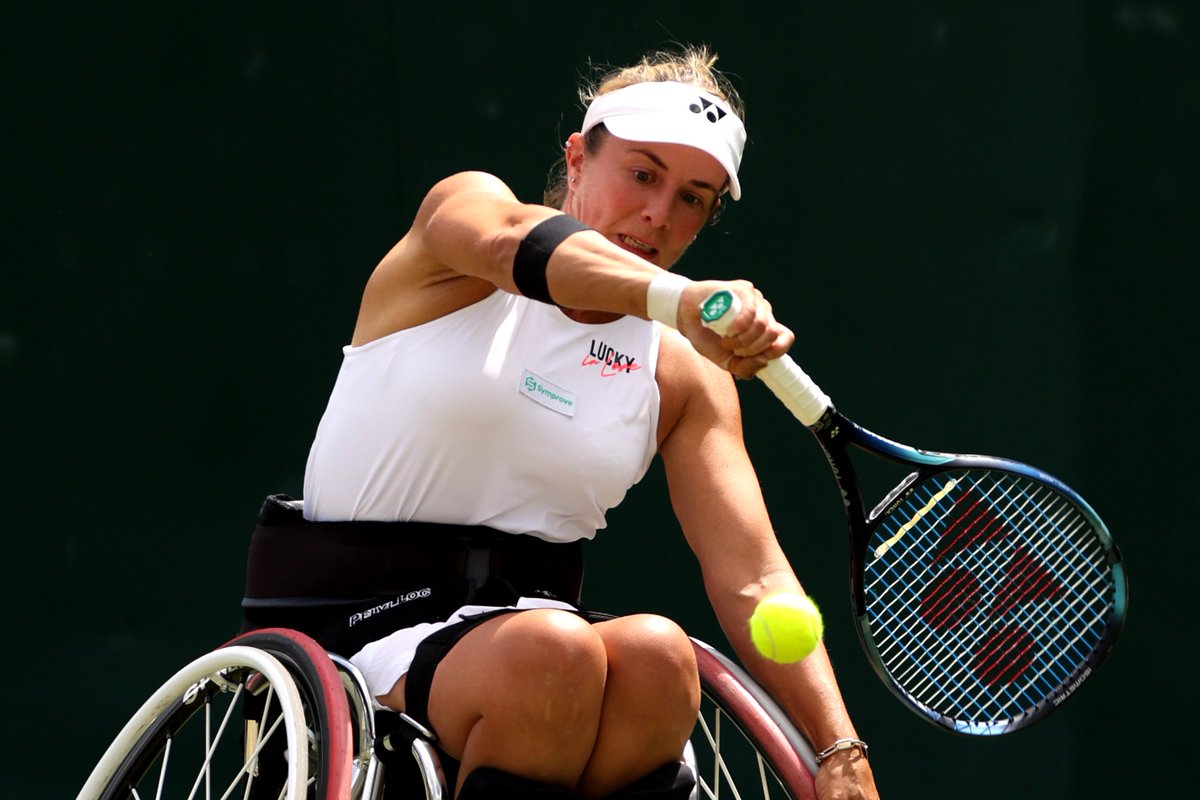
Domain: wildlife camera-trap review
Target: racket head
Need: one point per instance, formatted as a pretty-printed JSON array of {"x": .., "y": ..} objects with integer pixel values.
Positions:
[{"x": 986, "y": 591}]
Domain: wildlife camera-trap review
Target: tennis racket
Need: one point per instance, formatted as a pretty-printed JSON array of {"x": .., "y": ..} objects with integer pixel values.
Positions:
[{"x": 986, "y": 591}]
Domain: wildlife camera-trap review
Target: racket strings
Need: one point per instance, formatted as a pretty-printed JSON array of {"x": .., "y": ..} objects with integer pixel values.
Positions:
[
  {"x": 953, "y": 686},
  {"x": 998, "y": 646},
  {"x": 988, "y": 604},
  {"x": 999, "y": 650}
]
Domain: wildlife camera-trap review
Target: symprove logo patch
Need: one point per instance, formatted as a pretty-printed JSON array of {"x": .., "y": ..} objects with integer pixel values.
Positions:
[{"x": 548, "y": 394}]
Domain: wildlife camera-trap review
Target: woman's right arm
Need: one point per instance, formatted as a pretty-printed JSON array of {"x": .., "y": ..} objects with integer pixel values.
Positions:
[
  {"x": 462, "y": 245},
  {"x": 439, "y": 265}
]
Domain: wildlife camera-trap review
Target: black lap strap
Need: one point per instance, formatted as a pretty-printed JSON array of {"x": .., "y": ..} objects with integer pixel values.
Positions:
[{"x": 293, "y": 558}]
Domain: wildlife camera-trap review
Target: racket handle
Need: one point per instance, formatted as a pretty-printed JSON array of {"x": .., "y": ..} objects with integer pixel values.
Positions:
[{"x": 782, "y": 375}]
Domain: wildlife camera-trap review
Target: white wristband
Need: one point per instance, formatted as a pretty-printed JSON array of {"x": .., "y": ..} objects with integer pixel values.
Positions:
[{"x": 662, "y": 297}]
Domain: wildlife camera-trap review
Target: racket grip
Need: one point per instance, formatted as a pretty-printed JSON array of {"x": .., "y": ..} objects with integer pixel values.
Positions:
[
  {"x": 795, "y": 389},
  {"x": 782, "y": 375}
]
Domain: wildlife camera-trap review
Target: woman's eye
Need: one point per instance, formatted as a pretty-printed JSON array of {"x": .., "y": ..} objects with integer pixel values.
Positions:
[{"x": 641, "y": 175}]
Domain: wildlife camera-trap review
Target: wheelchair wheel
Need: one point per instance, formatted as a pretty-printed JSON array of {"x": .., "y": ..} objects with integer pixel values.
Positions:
[
  {"x": 325, "y": 700},
  {"x": 230, "y": 725},
  {"x": 744, "y": 745},
  {"x": 188, "y": 736}
]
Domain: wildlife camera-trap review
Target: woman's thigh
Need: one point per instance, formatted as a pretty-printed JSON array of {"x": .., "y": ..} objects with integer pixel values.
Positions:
[{"x": 537, "y": 676}]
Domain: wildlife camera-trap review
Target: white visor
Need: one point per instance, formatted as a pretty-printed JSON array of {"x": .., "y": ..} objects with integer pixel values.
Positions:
[{"x": 675, "y": 113}]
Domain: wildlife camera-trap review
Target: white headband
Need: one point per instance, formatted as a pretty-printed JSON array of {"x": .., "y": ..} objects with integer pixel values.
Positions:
[{"x": 675, "y": 113}]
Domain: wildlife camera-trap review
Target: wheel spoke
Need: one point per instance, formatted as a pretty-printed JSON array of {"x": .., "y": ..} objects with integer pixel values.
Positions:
[
  {"x": 212, "y": 740},
  {"x": 162, "y": 772}
]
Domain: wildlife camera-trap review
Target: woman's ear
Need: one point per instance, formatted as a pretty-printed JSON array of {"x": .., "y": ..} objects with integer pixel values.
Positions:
[{"x": 573, "y": 156}]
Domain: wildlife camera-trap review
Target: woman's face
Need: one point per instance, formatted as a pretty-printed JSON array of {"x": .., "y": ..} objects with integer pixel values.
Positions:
[{"x": 649, "y": 198}]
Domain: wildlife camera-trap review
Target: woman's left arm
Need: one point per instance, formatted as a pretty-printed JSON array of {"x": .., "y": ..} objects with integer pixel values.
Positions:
[{"x": 716, "y": 497}]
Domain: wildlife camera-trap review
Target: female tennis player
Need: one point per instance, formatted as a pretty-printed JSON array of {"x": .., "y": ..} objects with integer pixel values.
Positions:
[{"x": 514, "y": 369}]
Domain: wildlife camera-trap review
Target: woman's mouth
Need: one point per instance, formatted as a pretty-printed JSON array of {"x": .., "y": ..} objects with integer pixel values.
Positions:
[{"x": 637, "y": 246}]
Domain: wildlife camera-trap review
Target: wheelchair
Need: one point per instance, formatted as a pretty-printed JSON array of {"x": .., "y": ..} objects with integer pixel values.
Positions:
[{"x": 273, "y": 714}]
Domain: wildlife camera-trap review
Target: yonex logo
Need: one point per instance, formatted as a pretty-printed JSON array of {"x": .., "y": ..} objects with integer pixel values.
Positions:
[{"x": 711, "y": 111}]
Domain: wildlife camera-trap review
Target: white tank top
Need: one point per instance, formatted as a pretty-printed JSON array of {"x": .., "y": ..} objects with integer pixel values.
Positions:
[{"x": 505, "y": 413}]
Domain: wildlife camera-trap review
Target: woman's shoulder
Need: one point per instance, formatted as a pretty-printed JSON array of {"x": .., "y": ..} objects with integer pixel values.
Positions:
[
  {"x": 468, "y": 187},
  {"x": 469, "y": 181}
]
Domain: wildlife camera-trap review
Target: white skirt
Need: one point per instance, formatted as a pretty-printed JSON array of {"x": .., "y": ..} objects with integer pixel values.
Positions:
[{"x": 387, "y": 660}]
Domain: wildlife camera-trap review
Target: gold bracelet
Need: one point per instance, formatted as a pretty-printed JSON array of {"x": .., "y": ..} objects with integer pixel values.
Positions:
[{"x": 842, "y": 744}]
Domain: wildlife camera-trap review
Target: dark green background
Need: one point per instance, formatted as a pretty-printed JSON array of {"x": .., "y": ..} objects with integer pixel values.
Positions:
[{"x": 980, "y": 218}]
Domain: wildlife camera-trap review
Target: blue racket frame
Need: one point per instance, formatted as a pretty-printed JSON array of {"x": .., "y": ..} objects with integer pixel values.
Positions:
[{"x": 907, "y": 647}]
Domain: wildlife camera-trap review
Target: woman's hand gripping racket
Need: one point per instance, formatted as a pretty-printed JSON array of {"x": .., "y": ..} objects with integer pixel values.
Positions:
[{"x": 986, "y": 591}]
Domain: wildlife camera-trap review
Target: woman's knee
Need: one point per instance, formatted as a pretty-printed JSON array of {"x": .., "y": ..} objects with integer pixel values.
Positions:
[
  {"x": 544, "y": 662},
  {"x": 652, "y": 663},
  {"x": 651, "y": 700},
  {"x": 648, "y": 641},
  {"x": 548, "y": 646}
]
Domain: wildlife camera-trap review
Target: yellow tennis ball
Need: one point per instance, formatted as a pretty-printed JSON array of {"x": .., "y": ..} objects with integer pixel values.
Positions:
[{"x": 786, "y": 627}]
